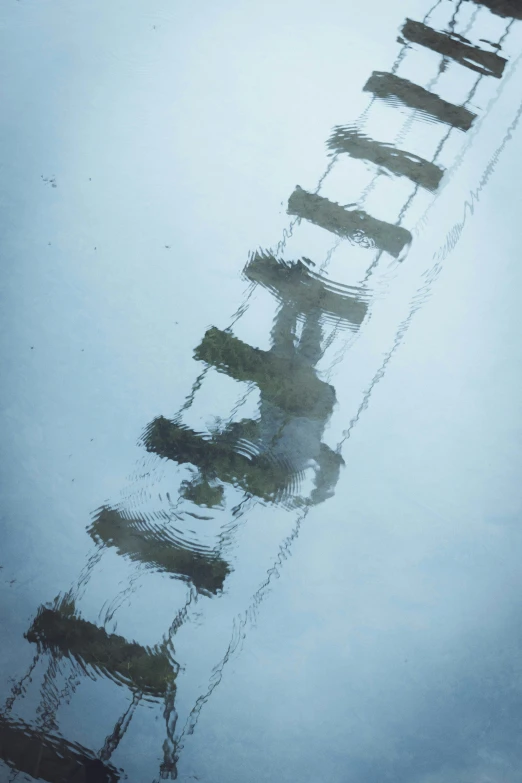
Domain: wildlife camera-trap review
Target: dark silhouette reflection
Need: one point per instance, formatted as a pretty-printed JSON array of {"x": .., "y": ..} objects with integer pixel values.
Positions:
[
  {"x": 455, "y": 47},
  {"x": 267, "y": 457},
  {"x": 296, "y": 283},
  {"x": 504, "y": 8},
  {"x": 283, "y": 375},
  {"x": 218, "y": 456},
  {"x": 57, "y": 630},
  {"x": 346, "y": 139},
  {"x": 394, "y": 89},
  {"x": 352, "y": 224},
  {"x": 235, "y": 455},
  {"x": 159, "y": 548},
  {"x": 50, "y": 758}
]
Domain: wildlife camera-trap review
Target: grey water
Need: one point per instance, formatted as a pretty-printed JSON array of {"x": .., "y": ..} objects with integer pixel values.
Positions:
[{"x": 261, "y": 346}]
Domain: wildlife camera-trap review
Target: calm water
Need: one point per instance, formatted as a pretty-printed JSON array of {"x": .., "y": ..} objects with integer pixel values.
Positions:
[{"x": 261, "y": 345}]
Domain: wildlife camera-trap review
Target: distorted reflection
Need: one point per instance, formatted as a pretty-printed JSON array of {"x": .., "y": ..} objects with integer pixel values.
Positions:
[
  {"x": 50, "y": 758},
  {"x": 455, "y": 47},
  {"x": 266, "y": 458},
  {"x": 349, "y": 140},
  {"x": 396, "y": 90},
  {"x": 158, "y": 547},
  {"x": 505, "y": 8},
  {"x": 353, "y": 224},
  {"x": 59, "y": 631}
]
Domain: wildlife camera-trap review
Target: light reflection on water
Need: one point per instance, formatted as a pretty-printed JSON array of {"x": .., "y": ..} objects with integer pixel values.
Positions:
[{"x": 269, "y": 450}]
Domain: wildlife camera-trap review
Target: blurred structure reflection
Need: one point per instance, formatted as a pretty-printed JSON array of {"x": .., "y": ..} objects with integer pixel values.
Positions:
[{"x": 266, "y": 457}]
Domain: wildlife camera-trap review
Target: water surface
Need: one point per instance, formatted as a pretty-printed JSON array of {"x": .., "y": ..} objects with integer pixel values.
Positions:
[{"x": 262, "y": 433}]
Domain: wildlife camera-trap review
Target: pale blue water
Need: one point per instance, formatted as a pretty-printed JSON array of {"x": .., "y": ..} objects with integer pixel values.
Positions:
[{"x": 262, "y": 441}]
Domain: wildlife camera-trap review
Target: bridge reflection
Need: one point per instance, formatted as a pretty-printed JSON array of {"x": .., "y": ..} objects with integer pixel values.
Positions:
[{"x": 269, "y": 457}]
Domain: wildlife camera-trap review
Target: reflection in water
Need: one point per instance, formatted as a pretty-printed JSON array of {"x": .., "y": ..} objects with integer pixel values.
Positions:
[
  {"x": 284, "y": 374},
  {"x": 264, "y": 458},
  {"x": 350, "y": 224},
  {"x": 301, "y": 288},
  {"x": 267, "y": 456},
  {"x": 396, "y": 90},
  {"x": 505, "y": 8},
  {"x": 59, "y": 631},
  {"x": 349, "y": 140},
  {"x": 159, "y": 548},
  {"x": 454, "y": 234},
  {"x": 50, "y": 758},
  {"x": 457, "y": 48}
]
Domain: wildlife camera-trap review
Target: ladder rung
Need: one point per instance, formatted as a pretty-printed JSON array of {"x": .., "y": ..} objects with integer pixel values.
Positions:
[
  {"x": 505, "y": 8},
  {"x": 487, "y": 63},
  {"x": 296, "y": 283},
  {"x": 135, "y": 538},
  {"x": 390, "y": 87},
  {"x": 353, "y": 224},
  {"x": 399, "y": 162},
  {"x": 143, "y": 670},
  {"x": 23, "y": 748},
  {"x": 290, "y": 384}
]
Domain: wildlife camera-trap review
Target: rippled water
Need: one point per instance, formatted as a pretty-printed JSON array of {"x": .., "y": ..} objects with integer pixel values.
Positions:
[{"x": 262, "y": 433}]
